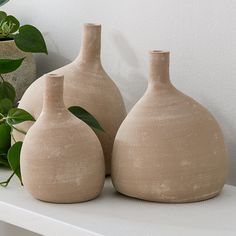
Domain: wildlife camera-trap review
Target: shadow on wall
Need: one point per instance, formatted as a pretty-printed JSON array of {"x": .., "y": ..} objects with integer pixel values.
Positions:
[
  {"x": 45, "y": 62},
  {"x": 125, "y": 50},
  {"x": 229, "y": 141},
  {"x": 54, "y": 59},
  {"x": 129, "y": 77},
  {"x": 231, "y": 145}
]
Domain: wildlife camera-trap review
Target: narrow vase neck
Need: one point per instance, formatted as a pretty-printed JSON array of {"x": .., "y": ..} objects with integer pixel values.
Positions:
[
  {"x": 53, "y": 93},
  {"x": 159, "y": 68},
  {"x": 91, "y": 44}
]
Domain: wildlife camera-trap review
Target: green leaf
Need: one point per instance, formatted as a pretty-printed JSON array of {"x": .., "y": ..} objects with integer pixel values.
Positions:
[
  {"x": 5, "y": 137},
  {"x": 3, "y": 15},
  {"x": 30, "y": 39},
  {"x": 85, "y": 116},
  {"x": 3, "y": 152},
  {"x": 9, "y": 65},
  {"x": 7, "y": 91},
  {"x": 13, "y": 157},
  {"x": 2, "y": 2},
  {"x": 13, "y": 23},
  {"x": 5, "y": 105},
  {"x": 3, "y": 159},
  {"x": 4, "y": 162},
  {"x": 17, "y": 115}
]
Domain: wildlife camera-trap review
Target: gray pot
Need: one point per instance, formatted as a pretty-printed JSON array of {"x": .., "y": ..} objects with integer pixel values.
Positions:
[{"x": 25, "y": 74}]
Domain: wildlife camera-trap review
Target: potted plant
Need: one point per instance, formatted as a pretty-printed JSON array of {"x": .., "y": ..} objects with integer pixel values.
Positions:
[
  {"x": 17, "y": 71},
  {"x": 19, "y": 42}
]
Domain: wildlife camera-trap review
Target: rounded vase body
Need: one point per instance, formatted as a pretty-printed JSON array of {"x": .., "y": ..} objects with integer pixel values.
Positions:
[
  {"x": 61, "y": 157},
  {"x": 86, "y": 85},
  {"x": 25, "y": 74},
  {"x": 169, "y": 148}
]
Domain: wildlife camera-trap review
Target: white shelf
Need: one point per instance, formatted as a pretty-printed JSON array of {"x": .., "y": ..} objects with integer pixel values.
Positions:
[{"x": 115, "y": 215}]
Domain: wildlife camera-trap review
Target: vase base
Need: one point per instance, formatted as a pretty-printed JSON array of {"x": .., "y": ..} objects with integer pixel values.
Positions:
[
  {"x": 174, "y": 201},
  {"x": 67, "y": 201}
]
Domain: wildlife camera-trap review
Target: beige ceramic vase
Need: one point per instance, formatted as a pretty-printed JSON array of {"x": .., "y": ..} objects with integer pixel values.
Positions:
[
  {"x": 86, "y": 85},
  {"x": 25, "y": 74},
  {"x": 61, "y": 157},
  {"x": 169, "y": 148}
]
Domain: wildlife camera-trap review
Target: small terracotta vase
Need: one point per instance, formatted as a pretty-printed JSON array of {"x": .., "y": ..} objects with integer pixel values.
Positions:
[
  {"x": 169, "y": 148},
  {"x": 86, "y": 85},
  {"x": 61, "y": 157},
  {"x": 25, "y": 74}
]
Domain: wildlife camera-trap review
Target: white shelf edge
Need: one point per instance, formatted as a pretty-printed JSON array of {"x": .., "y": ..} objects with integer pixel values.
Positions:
[{"x": 38, "y": 223}]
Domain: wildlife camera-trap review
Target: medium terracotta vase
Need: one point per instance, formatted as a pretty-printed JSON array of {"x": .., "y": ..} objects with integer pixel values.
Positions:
[
  {"x": 169, "y": 148},
  {"x": 86, "y": 85},
  {"x": 25, "y": 74},
  {"x": 61, "y": 157}
]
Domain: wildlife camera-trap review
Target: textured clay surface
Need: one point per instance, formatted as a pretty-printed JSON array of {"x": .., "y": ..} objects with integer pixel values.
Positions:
[
  {"x": 86, "y": 85},
  {"x": 61, "y": 158},
  {"x": 169, "y": 148}
]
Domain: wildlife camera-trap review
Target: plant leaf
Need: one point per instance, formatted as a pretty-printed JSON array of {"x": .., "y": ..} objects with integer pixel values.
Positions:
[
  {"x": 3, "y": 158},
  {"x": 5, "y": 105},
  {"x": 9, "y": 65},
  {"x": 17, "y": 115},
  {"x": 30, "y": 39},
  {"x": 85, "y": 116},
  {"x": 5, "y": 137},
  {"x": 2, "y": 152},
  {"x": 4, "y": 162},
  {"x": 3, "y": 15},
  {"x": 13, "y": 157},
  {"x": 7, "y": 91},
  {"x": 13, "y": 22},
  {"x": 2, "y": 2}
]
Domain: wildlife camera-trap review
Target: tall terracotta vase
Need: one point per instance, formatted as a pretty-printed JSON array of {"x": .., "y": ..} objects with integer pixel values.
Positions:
[
  {"x": 61, "y": 157},
  {"x": 169, "y": 148},
  {"x": 86, "y": 85}
]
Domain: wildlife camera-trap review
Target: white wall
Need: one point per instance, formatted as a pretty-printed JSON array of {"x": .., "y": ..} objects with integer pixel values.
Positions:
[{"x": 201, "y": 36}]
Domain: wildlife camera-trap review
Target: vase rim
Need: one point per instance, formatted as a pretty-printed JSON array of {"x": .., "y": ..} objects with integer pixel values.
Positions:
[
  {"x": 54, "y": 75},
  {"x": 159, "y": 52},
  {"x": 92, "y": 24}
]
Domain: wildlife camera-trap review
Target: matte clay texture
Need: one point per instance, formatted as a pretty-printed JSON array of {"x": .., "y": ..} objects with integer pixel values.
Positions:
[
  {"x": 25, "y": 74},
  {"x": 61, "y": 157},
  {"x": 169, "y": 148},
  {"x": 86, "y": 85}
]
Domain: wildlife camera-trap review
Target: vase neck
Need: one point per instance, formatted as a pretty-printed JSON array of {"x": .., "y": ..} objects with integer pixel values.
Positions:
[
  {"x": 53, "y": 93},
  {"x": 159, "y": 68},
  {"x": 91, "y": 44}
]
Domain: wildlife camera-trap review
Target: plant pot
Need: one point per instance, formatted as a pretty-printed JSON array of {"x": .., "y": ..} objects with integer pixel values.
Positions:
[
  {"x": 61, "y": 157},
  {"x": 169, "y": 148},
  {"x": 86, "y": 85},
  {"x": 25, "y": 74}
]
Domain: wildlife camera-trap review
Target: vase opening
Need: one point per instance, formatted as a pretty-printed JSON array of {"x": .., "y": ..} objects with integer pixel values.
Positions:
[
  {"x": 160, "y": 51},
  {"x": 92, "y": 24},
  {"x": 53, "y": 75}
]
